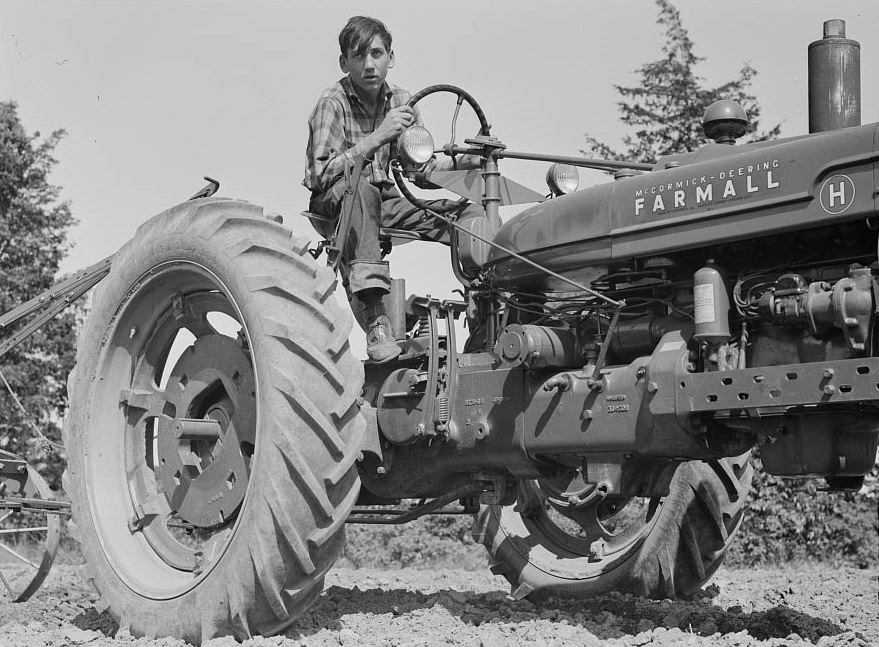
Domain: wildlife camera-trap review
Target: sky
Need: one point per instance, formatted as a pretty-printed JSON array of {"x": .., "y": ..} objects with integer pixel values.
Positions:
[{"x": 154, "y": 95}]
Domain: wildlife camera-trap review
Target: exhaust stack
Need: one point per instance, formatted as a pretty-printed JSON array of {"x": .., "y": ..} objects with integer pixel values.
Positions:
[{"x": 834, "y": 80}]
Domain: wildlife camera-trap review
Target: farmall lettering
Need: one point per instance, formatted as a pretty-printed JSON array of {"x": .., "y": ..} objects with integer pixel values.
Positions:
[{"x": 726, "y": 184}]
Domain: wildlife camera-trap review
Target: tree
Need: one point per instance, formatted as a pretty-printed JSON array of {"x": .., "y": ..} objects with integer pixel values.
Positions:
[
  {"x": 34, "y": 228},
  {"x": 665, "y": 109}
]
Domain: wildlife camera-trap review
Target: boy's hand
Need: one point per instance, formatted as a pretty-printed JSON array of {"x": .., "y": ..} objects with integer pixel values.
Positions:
[{"x": 396, "y": 121}]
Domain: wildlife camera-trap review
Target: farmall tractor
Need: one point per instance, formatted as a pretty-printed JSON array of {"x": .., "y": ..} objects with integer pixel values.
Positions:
[{"x": 627, "y": 346}]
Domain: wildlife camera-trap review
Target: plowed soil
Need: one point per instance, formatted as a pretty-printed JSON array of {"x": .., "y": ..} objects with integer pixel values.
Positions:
[{"x": 799, "y": 605}]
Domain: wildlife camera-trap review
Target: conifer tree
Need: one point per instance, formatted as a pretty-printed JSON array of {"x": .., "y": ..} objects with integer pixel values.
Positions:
[{"x": 664, "y": 110}]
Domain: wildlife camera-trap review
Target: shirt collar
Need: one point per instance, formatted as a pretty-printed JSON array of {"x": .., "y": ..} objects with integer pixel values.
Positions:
[{"x": 348, "y": 87}]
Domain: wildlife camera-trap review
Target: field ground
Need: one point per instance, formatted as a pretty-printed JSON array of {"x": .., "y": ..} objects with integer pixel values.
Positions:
[{"x": 794, "y": 605}]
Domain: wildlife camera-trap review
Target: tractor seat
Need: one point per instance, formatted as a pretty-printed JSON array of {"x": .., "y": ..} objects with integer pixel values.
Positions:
[{"x": 388, "y": 237}]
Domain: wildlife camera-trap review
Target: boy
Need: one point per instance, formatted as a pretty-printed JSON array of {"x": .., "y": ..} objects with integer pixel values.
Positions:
[{"x": 363, "y": 115}]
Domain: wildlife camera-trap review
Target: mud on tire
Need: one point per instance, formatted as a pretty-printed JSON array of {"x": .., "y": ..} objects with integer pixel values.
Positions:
[
  {"x": 210, "y": 485},
  {"x": 670, "y": 547}
]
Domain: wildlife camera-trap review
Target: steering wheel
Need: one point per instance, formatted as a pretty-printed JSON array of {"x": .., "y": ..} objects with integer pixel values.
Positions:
[{"x": 484, "y": 130}]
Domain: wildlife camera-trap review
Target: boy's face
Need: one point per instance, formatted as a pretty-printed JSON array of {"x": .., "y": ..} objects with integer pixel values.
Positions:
[{"x": 369, "y": 68}]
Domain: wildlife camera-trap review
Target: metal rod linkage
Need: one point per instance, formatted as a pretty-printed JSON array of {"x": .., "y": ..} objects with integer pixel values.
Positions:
[
  {"x": 537, "y": 266},
  {"x": 399, "y": 516}
]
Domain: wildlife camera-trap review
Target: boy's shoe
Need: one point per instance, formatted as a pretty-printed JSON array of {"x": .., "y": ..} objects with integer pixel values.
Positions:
[{"x": 380, "y": 343}]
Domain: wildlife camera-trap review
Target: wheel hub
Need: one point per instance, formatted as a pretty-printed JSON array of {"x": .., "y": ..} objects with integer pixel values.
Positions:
[
  {"x": 204, "y": 450},
  {"x": 570, "y": 491}
]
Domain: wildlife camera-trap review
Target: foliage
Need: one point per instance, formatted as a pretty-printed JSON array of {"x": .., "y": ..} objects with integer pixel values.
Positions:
[
  {"x": 792, "y": 519},
  {"x": 431, "y": 541},
  {"x": 665, "y": 107},
  {"x": 34, "y": 228},
  {"x": 786, "y": 519}
]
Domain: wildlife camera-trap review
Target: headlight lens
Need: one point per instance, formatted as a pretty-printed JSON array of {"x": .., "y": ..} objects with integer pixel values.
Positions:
[
  {"x": 415, "y": 145},
  {"x": 562, "y": 179}
]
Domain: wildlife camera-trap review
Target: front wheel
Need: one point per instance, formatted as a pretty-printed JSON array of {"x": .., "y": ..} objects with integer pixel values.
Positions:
[
  {"x": 659, "y": 547},
  {"x": 213, "y": 426}
]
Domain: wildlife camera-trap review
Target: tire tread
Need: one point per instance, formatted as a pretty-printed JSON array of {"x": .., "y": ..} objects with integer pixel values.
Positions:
[
  {"x": 274, "y": 579},
  {"x": 682, "y": 550}
]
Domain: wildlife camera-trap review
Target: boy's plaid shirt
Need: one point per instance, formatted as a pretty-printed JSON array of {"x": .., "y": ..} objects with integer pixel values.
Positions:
[{"x": 336, "y": 129}]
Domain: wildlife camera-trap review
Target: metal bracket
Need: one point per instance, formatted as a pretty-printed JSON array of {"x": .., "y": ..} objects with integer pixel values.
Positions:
[
  {"x": 493, "y": 488},
  {"x": 442, "y": 360},
  {"x": 773, "y": 387},
  {"x": 144, "y": 513}
]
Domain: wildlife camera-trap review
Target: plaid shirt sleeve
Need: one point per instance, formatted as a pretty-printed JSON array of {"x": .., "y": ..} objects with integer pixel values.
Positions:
[{"x": 326, "y": 156}]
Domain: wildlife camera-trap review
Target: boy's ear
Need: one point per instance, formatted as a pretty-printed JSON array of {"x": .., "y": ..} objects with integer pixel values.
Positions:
[
  {"x": 391, "y": 60},
  {"x": 343, "y": 64}
]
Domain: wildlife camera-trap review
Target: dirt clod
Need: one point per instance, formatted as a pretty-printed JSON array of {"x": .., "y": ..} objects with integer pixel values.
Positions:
[{"x": 90, "y": 619}]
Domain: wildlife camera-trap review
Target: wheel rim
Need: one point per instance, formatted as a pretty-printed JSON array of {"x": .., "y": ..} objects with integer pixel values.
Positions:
[
  {"x": 578, "y": 520},
  {"x": 169, "y": 469}
]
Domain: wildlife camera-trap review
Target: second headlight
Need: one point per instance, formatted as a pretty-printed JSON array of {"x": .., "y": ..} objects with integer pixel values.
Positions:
[{"x": 562, "y": 179}]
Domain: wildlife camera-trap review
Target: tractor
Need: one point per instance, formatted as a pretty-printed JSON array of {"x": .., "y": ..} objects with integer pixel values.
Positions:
[{"x": 626, "y": 347}]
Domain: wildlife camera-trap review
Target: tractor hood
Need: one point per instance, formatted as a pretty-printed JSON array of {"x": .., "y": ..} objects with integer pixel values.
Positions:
[{"x": 716, "y": 195}]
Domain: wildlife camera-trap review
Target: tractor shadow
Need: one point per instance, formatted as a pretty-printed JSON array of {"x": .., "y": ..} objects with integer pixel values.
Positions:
[{"x": 612, "y": 616}]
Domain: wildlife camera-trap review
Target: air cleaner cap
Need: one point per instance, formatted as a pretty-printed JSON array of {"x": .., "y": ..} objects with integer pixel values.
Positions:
[{"x": 725, "y": 121}]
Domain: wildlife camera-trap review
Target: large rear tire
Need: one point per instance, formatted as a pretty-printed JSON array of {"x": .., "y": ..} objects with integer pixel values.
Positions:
[
  {"x": 213, "y": 426},
  {"x": 656, "y": 548}
]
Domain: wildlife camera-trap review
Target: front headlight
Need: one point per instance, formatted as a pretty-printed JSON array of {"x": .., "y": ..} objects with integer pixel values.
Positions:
[
  {"x": 562, "y": 179},
  {"x": 415, "y": 146}
]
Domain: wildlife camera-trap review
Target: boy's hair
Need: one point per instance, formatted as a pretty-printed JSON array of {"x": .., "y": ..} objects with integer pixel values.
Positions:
[{"x": 359, "y": 32}]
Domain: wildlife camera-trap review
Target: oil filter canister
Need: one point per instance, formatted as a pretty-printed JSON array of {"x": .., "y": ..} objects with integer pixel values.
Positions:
[{"x": 711, "y": 305}]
